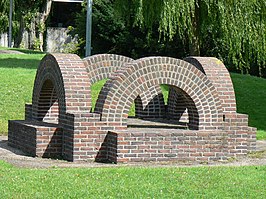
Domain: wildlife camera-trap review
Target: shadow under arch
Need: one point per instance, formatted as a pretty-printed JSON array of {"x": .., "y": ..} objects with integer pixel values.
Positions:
[
  {"x": 182, "y": 108},
  {"x": 48, "y": 107}
]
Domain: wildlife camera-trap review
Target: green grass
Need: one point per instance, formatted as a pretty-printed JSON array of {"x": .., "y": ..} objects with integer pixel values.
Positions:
[
  {"x": 126, "y": 182},
  {"x": 26, "y": 51},
  {"x": 17, "y": 73},
  {"x": 251, "y": 99}
]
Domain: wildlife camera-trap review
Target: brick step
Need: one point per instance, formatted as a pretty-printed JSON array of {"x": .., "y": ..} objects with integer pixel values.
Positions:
[{"x": 155, "y": 123}]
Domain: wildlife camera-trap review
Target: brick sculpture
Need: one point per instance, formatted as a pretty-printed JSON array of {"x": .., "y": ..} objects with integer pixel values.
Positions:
[{"x": 200, "y": 122}]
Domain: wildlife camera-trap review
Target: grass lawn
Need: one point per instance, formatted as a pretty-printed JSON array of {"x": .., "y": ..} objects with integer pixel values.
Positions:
[
  {"x": 17, "y": 73},
  {"x": 122, "y": 182},
  {"x": 251, "y": 99}
]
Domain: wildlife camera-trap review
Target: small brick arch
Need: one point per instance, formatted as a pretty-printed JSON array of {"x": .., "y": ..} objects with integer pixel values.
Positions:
[
  {"x": 182, "y": 108},
  {"x": 101, "y": 66},
  {"x": 219, "y": 76},
  {"x": 150, "y": 104},
  {"x": 68, "y": 77},
  {"x": 48, "y": 107},
  {"x": 147, "y": 72}
]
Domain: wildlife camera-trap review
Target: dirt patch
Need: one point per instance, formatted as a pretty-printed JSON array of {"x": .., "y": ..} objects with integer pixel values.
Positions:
[{"x": 19, "y": 159}]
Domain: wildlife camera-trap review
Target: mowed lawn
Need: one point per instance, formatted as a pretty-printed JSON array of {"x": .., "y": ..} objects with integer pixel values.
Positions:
[
  {"x": 133, "y": 182},
  {"x": 17, "y": 73}
]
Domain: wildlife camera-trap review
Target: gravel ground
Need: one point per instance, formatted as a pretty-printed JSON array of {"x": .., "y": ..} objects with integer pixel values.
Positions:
[{"x": 19, "y": 159}]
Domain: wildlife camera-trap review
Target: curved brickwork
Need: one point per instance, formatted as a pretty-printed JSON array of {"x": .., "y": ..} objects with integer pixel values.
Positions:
[
  {"x": 150, "y": 104},
  {"x": 218, "y": 74},
  {"x": 181, "y": 107},
  {"x": 48, "y": 107},
  {"x": 123, "y": 87},
  {"x": 102, "y": 66},
  {"x": 68, "y": 80}
]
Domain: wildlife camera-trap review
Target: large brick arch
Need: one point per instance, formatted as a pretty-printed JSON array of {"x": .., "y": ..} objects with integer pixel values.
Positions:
[
  {"x": 102, "y": 66},
  {"x": 142, "y": 74},
  {"x": 66, "y": 76}
]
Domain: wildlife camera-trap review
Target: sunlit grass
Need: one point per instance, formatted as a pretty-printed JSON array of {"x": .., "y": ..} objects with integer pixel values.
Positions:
[{"x": 130, "y": 182}]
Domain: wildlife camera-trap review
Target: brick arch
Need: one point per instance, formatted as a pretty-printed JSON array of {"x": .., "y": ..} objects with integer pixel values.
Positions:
[
  {"x": 124, "y": 86},
  {"x": 102, "y": 66},
  {"x": 68, "y": 78},
  {"x": 219, "y": 76}
]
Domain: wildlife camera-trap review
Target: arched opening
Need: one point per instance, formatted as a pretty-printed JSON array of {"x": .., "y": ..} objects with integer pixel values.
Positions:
[
  {"x": 96, "y": 87},
  {"x": 181, "y": 108},
  {"x": 170, "y": 108},
  {"x": 48, "y": 108}
]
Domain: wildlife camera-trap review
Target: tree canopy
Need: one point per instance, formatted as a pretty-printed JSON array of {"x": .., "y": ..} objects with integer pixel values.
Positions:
[
  {"x": 232, "y": 30},
  {"x": 235, "y": 31}
]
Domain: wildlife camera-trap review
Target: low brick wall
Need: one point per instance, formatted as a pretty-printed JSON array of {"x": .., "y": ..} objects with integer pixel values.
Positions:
[
  {"x": 136, "y": 145},
  {"x": 36, "y": 138},
  {"x": 171, "y": 144}
]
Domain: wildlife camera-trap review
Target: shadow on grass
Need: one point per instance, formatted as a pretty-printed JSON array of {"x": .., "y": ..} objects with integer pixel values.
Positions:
[
  {"x": 19, "y": 63},
  {"x": 27, "y": 51}
]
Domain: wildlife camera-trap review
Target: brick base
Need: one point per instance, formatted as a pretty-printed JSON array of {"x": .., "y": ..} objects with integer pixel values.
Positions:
[{"x": 140, "y": 145}]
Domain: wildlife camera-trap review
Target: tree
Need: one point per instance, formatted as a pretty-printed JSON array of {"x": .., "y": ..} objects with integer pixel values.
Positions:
[
  {"x": 32, "y": 15},
  {"x": 4, "y": 9},
  {"x": 114, "y": 34},
  {"x": 43, "y": 16},
  {"x": 235, "y": 30},
  {"x": 29, "y": 15}
]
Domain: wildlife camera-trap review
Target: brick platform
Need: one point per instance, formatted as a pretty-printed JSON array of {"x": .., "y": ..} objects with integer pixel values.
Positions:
[{"x": 199, "y": 123}]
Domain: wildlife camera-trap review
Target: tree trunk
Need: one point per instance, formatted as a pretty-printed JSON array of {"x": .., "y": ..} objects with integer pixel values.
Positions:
[
  {"x": 43, "y": 17},
  {"x": 18, "y": 38},
  {"x": 32, "y": 35},
  {"x": 194, "y": 46}
]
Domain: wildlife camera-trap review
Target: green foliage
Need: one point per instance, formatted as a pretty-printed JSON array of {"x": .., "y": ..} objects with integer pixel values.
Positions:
[
  {"x": 114, "y": 34},
  {"x": 25, "y": 16},
  {"x": 106, "y": 29},
  {"x": 133, "y": 182},
  {"x": 234, "y": 31},
  {"x": 4, "y": 10}
]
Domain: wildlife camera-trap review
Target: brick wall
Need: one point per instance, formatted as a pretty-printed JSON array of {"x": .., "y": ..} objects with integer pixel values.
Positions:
[{"x": 36, "y": 138}]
